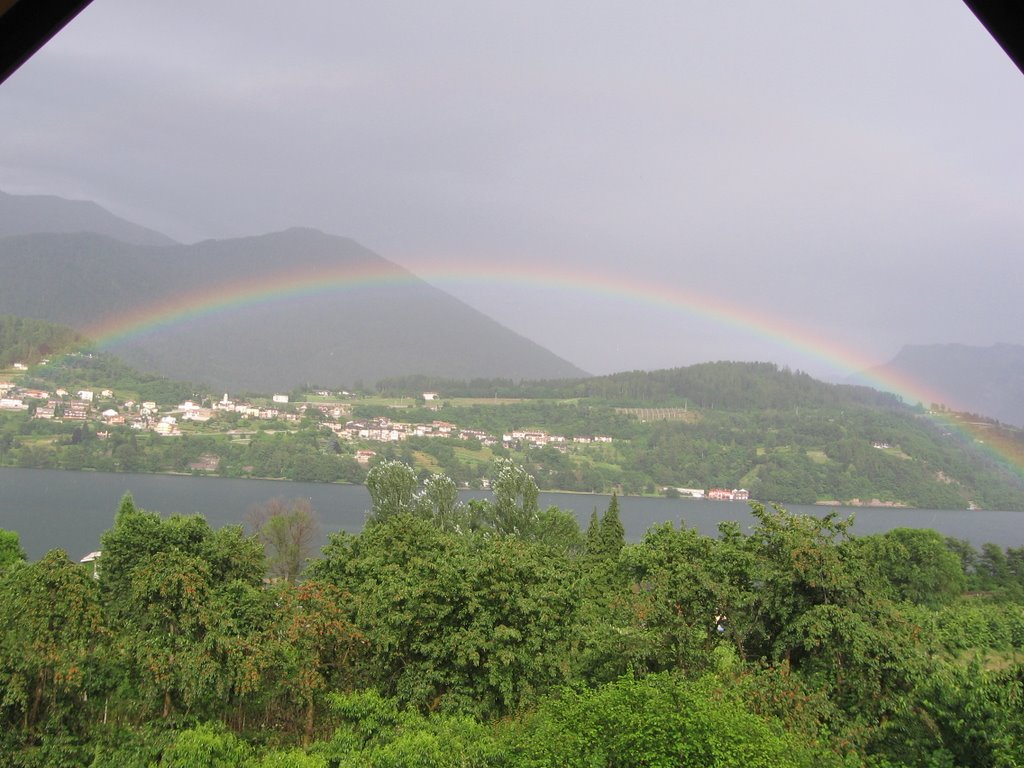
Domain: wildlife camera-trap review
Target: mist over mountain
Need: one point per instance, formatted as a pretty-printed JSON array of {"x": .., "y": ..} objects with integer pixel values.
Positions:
[
  {"x": 31, "y": 214},
  {"x": 984, "y": 380},
  {"x": 226, "y": 313}
]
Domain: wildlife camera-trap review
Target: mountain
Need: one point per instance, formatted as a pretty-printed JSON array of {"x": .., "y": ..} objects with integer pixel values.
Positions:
[
  {"x": 31, "y": 214},
  {"x": 261, "y": 313},
  {"x": 984, "y": 380}
]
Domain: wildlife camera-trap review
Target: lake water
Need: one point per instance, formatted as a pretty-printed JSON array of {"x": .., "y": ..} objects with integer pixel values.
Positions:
[{"x": 70, "y": 510}]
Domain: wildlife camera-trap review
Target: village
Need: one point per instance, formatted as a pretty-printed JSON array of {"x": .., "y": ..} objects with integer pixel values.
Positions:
[
  {"x": 103, "y": 409},
  {"x": 83, "y": 405}
]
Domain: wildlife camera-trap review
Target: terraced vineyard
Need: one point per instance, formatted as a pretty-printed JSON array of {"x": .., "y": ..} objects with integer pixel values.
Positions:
[{"x": 660, "y": 414}]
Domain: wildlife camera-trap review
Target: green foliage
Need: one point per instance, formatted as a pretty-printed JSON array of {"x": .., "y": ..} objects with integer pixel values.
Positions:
[
  {"x": 973, "y": 719},
  {"x": 375, "y": 731},
  {"x": 101, "y": 369},
  {"x": 437, "y": 638},
  {"x": 288, "y": 531},
  {"x": 660, "y": 720},
  {"x": 611, "y": 536},
  {"x": 205, "y": 746},
  {"x": 10, "y": 549},
  {"x": 439, "y": 501},
  {"x": 23, "y": 340},
  {"x": 474, "y": 623},
  {"x": 118, "y": 746},
  {"x": 782, "y": 435},
  {"x": 719, "y": 385},
  {"x": 50, "y": 630},
  {"x": 392, "y": 487},
  {"x": 915, "y": 564},
  {"x": 292, "y": 758},
  {"x": 138, "y": 536},
  {"x": 558, "y": 529},
  {"x": 514, "y": 509},
  {"x": 979, "y": 623}
]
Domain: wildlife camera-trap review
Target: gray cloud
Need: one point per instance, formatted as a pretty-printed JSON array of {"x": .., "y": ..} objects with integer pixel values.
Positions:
[{"x": 854, "y": 169}]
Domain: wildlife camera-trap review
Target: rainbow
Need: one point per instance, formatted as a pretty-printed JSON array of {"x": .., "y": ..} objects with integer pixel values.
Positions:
[{"x": 288, "y": 285}]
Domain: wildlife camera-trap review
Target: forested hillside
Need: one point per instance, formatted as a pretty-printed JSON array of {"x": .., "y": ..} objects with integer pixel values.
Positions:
[
  {"x": 29, "y": 341},
  {"x": 500, "y": 634},
  {"x": 781, "y": 434},
  {"x": 778, "y": 434}
]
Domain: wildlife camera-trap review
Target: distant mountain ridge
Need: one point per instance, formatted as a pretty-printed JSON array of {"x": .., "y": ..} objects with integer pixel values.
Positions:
[
  {"x": 34, "y": 214},
  {"x": 984, "y": 380},
  {"x": 268, "y": 340}
]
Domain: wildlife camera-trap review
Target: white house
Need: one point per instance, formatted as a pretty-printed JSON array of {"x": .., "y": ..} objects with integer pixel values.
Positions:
[{"x": 94, "y": 558}]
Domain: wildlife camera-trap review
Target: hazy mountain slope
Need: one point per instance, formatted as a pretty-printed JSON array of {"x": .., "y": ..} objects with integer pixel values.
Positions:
[
  {"x": 30, "y": 214},
  {"x": 985, "y": 380},
  {"x": 391, "y": 324}
]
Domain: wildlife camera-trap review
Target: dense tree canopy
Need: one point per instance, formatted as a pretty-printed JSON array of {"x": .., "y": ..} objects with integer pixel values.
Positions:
[{"x": 497, "y": 634}]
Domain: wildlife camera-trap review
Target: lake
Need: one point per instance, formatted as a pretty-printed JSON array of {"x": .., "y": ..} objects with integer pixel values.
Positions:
[{"x": 70, "y": 510}]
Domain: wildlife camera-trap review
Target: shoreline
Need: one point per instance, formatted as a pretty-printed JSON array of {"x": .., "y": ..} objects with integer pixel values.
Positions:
[
  {"x": 852, "y": 504},
  {"x": 871, "y": 503}
]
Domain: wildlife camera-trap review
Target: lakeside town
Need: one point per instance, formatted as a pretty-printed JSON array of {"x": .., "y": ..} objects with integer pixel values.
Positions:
[
  {"x": 718, "y": 431},
  {"x": 227, "y": 416}
]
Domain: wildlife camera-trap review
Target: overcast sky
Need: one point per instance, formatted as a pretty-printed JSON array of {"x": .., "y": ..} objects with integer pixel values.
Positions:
[{"x": 853, "y": 170}]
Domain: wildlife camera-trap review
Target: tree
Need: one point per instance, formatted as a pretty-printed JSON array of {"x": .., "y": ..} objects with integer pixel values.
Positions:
[
  {"x": 611, "y": 535},
  {"x": 289, "y": 531},
  {"x": 392, "y": 487},
  {"x": 514, "y": 509},
  {"x": 593, "y": 531},
  {"x": 313, "y": 645},
  {"x": 10, "y": 549},
  {"x": 560, "y": 530},
  {"x": 916, "y": 565},
  {"x": 206, "y": 746},
  {"x": 670, "y": 619},
  {"x": 659, "y": 720},
  {"x": 439, "y": 501},
  {"x": 50, "y": 627},
  {"x": 818, "y": 608},
  {"x": 138, "y": 536},
  {"x": 169, "y": 603},
  {"x": 477, "y": 623}
]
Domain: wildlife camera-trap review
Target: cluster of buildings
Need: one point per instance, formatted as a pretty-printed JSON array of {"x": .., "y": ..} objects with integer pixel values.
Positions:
[
  {"x": 386, "y": 431},
  {"x": 517, "y": 438},
  {"x": 383, "y": 430},
  {"x": 61, "y": 404},
  {"x": 248, "y": 410},
  {"x": 715, "y": 494},
  {"x": 85, "y": 405}
]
